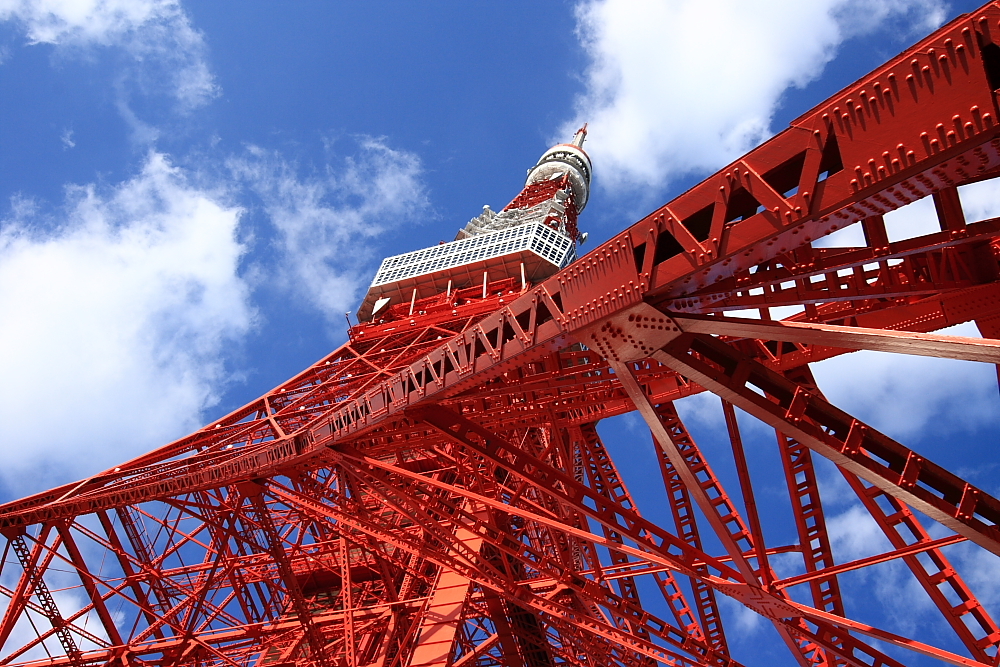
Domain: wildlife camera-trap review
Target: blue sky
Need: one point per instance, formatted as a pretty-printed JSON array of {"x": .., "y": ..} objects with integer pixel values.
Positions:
[{"x": 192, "y": 195}]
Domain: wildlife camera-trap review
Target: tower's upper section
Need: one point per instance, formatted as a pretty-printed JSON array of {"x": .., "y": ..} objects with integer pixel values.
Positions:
[
  {"x": 530, "y": 239},
  {"x": 561, "y": 174},
  {"x": 569, "y": 161}
]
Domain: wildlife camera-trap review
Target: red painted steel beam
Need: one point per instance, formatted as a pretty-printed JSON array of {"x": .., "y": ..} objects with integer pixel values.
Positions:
[
  {"x": 934, "y": 573},
  {"x": 265, "y": 458},
  {"x": 90, "y": 584},
  {"x": 517, "y": 645},
  {"x": 889, "y": 637},
  {"x": 913, "y": 549},
  {"x": 26, "y": 584},
  {"x": 604, "y": 476},
  {"x": 808, "y": 418},
  {"x": 737, "y": 539},
  {"x": 686, "y": 527},
  {"x": 746, "y": 488},
  {"x": 818, "y": 274},
  {"x": 34, "y": 562},
  {"x": 750, "y": 241},
  {"x": 346, "y": 585},
  {"x": 803, "y": 642},
  {"x": 441, "y": 618},
  {"x": 294, "y": 596},
  {"x": 661, "y": 545},
  {"x": 247, "y": 636},
  {"x": 519, "y": 595},
  {"x": 810, "y": 522},
  {"x": 390, "y": 481},
  {"x": 394, "y": 483},
  {"x": 847, "y": 337}
]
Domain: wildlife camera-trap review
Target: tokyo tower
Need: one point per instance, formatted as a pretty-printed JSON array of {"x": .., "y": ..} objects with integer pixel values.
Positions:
[{"x": 435, "y": 493}]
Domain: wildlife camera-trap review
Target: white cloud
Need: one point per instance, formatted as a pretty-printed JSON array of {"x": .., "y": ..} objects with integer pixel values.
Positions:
[
  {"x": 742, "y": 623},
  {"x": 165, "y": 49},
  {"x": 98, "y": 21},
  {"x": 67, "y": 139},
  {"x": 905, "y": 605},
  {"x": 908, "y": 396},
  {"x": 327, "y": 223},
  {"x": 980, "y": 200},
  {"x": 904, "y": 395},
  {"x": 854, "y": 534},
  {"x": 118, "y": 312},
  {"x": 114, "y": 323},
  {"x": 687, "y": 85},
  {"x": 703, "y": 412},
  {"x": 981, "y": 571},
  {"x": 916, "y": 219},
  {"x": 906, "y": 222}
]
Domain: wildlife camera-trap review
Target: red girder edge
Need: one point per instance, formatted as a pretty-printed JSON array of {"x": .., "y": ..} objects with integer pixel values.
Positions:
[{"x": 598, "y": 285}]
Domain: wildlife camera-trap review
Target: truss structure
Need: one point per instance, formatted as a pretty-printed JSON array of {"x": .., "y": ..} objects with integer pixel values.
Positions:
[{"x": 435, "y": 492}]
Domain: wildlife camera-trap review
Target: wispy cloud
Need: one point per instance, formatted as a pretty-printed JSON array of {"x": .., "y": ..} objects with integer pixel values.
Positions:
[
  {"x": 913, "y": 398},
  {"x": 117, "y": 311},
  {"x": 165, "y": 54},
  {"x": 327, "y": 221},
  {"x": 688, "y": 85},
  {"x": 122, "y": 310}
]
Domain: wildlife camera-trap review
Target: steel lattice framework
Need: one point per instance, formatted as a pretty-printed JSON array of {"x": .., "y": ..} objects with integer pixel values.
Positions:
[{"x": 435, "y": 491}]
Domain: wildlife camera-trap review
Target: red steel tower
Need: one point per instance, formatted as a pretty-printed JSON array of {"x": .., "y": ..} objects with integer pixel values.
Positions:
[{"x": 435, "y": 491}]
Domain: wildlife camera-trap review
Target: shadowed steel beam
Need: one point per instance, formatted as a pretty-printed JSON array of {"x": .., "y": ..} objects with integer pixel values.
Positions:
[{"x": 852, "y": 338}]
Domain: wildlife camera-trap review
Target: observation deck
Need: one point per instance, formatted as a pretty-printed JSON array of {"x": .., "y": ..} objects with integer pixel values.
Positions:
[{"x": 530, "y": 239}]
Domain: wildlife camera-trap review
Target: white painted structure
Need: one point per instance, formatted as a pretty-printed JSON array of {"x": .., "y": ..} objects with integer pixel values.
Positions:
[{"x": 530, "y": 243}]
